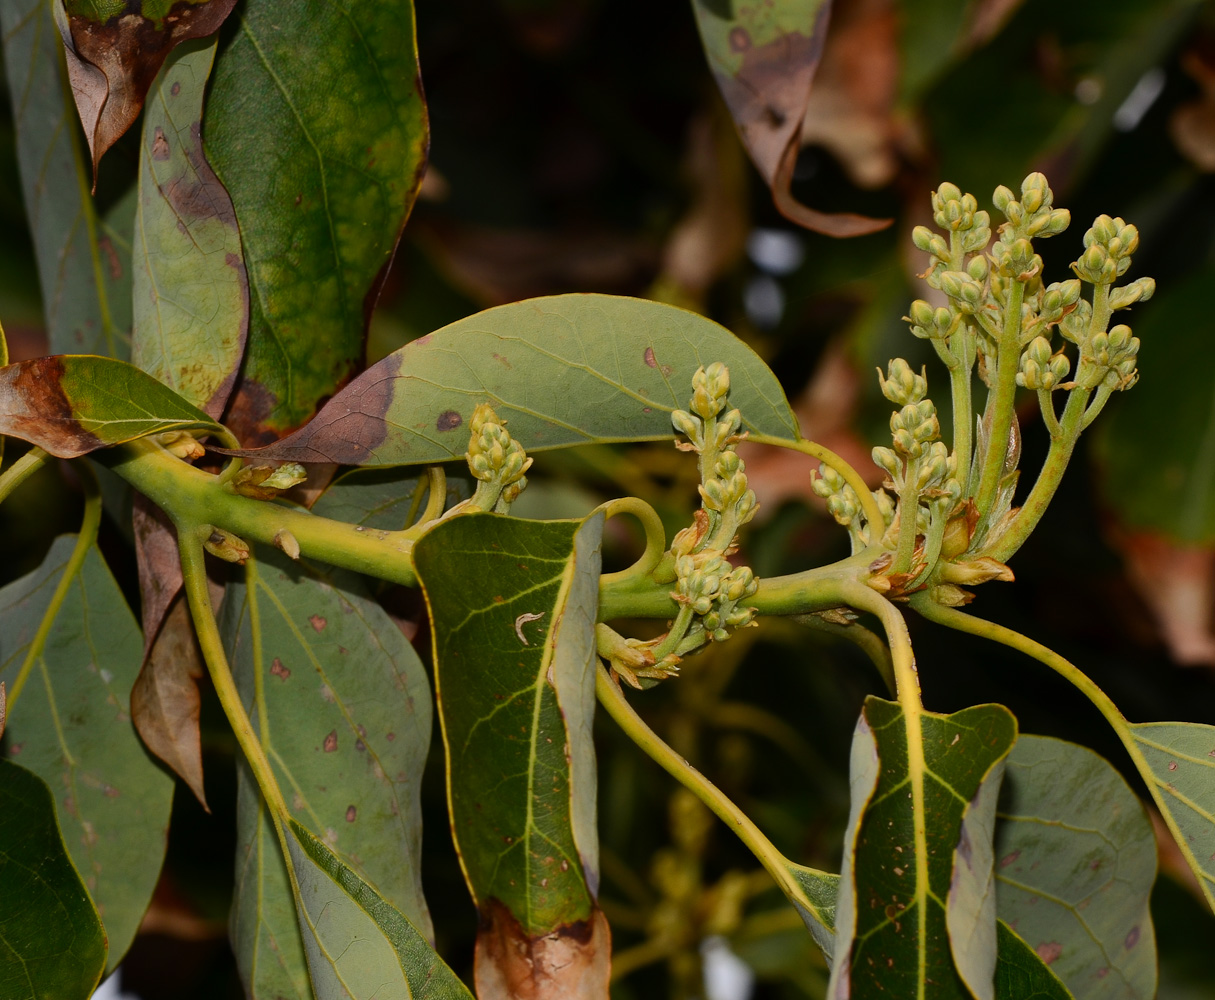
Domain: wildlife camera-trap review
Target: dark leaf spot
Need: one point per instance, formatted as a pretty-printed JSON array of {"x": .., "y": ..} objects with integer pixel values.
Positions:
[
  {"x": 1132, "y": 938},
  {"x": 160, "y": 145},
  {"x": 278, "y": 670},
  {"x": 650, "y": 360},
  {"x": 175, "y": 89},
  {"x": 1048, "y": 951},
  {"x": 1008, "y": 859},
  {"x": 330, "y": 743},
  {"x": 351, "y": 813},
  {"x": 390, "y": 737},
  {"x": 318, "y": 622},
  {"x": 740, "y": 40},
  {"x": 448, "y": 420}
]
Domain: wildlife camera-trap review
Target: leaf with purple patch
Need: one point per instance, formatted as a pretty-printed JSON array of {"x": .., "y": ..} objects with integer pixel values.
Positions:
[{"x": 561, "y": 370}]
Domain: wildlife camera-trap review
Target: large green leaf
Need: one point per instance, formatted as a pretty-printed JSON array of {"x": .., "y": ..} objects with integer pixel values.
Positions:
[
  {"x": 1157, "y": 447},
  {"x": 1177, "y": 760},
  {"x": 763, "y": 57},
  {"x": 69, "y": 653},
  {"x": 916, "y": 912},
  {"x": 316, "y": 125},
  {"x": 83, "y": 261},
  {"x": 114, "y": 49},
  {"x": 359, "y": 945},
  {"x": 1076, "y": 862},
  {"x": 341, "y": 705},
  {"x": 512, "y": 607},
  {"x": 75, "y": 404},
  {"x": 190, "y": 296},
  {"x": 52, "y": 946},
  {"x": 563, "y": 370}
]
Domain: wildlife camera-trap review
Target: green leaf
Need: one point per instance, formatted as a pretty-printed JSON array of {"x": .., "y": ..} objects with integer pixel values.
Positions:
[
  {"x": 316, "y": 125},
  {"x": 1177, "y": 760},
  {"x": 513, "y": 606},
  {"x": 763, "y": 57},
  {"x": 387, "y": 499},
  {"x": 114, "y": 49},
  {"x": 75, "y": 404},
  {"x": 1021, "y": 974},
  {"x": 52, "y": 946},
  {"x": 907, "y": 903},
  {"x": 821, "y": 891},
  {"x": 83, "y": 261},
  {"x": 359, "y": 945},
  {"x": 341, "y": 704},
  {"x": 69, "y": 654},
  {"x": 1076, "y": 862},
  {"x": 562, "y": 370},
  {"x": 1157, "y": 446},
  {"x": 190, "y": 295}
]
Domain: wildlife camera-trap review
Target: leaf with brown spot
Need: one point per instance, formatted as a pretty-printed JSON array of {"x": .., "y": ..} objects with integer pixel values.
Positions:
[
  {"x": 316, "y": 125},
  {"x": 75, "y": 404},
  {"x": 570, "y": 961},
  {"x": 115, "y": 48},
  {"x": 583, "y": 369},
  {"x": 191, "y": 309},
  {"x": 764, "y": 57},
  {"x": 344, "y": 715}
]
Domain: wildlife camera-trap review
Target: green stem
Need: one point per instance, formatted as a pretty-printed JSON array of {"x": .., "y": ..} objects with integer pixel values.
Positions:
[
  {"x": 655, "y": 540},
  {"x": 775, "y": 863},
  {"x": 959, "y": 385},
  {"x": 21, "y": 470},
  {"x": 1007, "y": 637},
  {"x": 436, "y": 494},
  {"x": 933, "y": 541},
  {"x": 84, "y": 541},
  {"x": 1001, "y": 399},
  {"x": 909, "y": 511},
  {"x": 194, "y": 577},
  {"x": 829, "y": 458},
  {"x": 1046, "y": 404},
  {"x": 1098, "y": 404},
  {"x": 191, "y": 496},
  {"x": 1060, "y": 453}
]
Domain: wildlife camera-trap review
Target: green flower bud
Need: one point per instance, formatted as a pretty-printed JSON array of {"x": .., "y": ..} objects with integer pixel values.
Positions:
[
  {"x": 977, "y": 269},
  {"x": 226, "y": 546},
  {"x": 906, "y": 444},
  {"x": 727, "y": 427},
  {"x": 1139, "y": 290},
  {"x": 902, "y": 385},
  {"x": 841, "y": 509},
  {"x": 885, "y": 504},
  {"x": 686, "y": 424}
]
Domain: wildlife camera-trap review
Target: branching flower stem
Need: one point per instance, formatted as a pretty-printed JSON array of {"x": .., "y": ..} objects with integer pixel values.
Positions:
[
  {"x": 1001, "y": 399},
  {"x": 775, "y": 863},
  {"x": 963, "y": 622},
  {"x": 825, "y": 455}
]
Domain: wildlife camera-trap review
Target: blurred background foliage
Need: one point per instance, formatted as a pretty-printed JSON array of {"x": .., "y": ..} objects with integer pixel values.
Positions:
[{"x": 581, "y": 145}]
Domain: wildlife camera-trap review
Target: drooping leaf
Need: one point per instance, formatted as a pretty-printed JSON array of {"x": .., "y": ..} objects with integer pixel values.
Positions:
[
  {"x": 562, "y": 370},
  {"x": 340, "y": 702},
  {"x": 316, "y": 125},
  {"x": 75, "y": 404},
  {"x": 1076, "y": 859},
  {"x": 52, "y": 945},
  {"x": 763, "y": 57},
  {"x": 166, "y": 702},
  {"x": 191, "y": 307},
  {"x": 359, "y": 945},
  {"x": 69, "y": 653},
  {"x": 512, "y": 607},
  {"x": 1021, "y": 974},
  {"x": 83, "y": 261},
  {"x": 921, "y": 795},
  {"x": 1177, "y": 760},
  {"x": 114, "y": 49},
  {"x": 384, "y": 498}
]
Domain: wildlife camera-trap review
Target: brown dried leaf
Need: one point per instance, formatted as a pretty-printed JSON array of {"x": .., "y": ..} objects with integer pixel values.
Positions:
[
  {"x": 165, "y": 700},
  {"x": 111, "y": 64},
  {"x": 572, "y": 961},
  {"x": 764, "y": 68}
]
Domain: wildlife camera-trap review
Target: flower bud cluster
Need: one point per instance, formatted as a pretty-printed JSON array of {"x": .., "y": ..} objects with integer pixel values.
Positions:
[
  {"x": 902, "y": 385},
  {"x": 1033, "y": 215},
  {"x": 710, "y": 386},
  {"x": 842, "y": 501},
  {"x": 728, "y": 490},
  {"x": 1040, "y": 369},
  {"x": 932, "y": 324},
  {"x": 712, "y": 589},
  {"x": 1109, "y": 359},
  {"x": 181, "y": 444},
  {"x": 914, "y": 426},
  {"x": 493, "y": 455},
  {"x": 1108, "y": 248}
]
